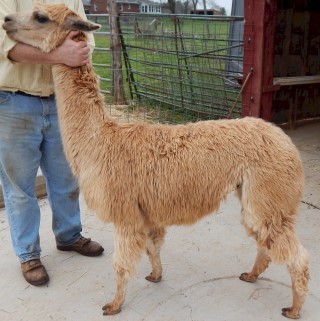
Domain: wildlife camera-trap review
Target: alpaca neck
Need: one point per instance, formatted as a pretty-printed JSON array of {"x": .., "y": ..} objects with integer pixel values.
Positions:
[
  {"x": 81, "y": 112},
  {"x": 80, "y": 103}
]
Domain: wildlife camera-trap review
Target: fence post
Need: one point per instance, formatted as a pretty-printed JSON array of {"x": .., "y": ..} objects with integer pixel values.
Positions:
[{"x": 115, "y": 44}]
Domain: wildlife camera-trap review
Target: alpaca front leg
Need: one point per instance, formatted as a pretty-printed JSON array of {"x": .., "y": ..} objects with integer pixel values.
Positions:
[
  {"x": 154, "y": 242},
  {"x": 115, "y": 306},
  {"x": 129, "y": 244},
  {"x": 260, "y": 265}
]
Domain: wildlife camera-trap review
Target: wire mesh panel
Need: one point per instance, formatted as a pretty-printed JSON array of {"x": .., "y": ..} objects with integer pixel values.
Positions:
[
  {"x": 181, "y": 65},
  {"x": 102, "y": 52}
]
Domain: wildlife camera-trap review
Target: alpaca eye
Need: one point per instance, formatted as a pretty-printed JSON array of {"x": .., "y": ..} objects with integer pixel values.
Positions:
[{"x": 41, "y": 18}]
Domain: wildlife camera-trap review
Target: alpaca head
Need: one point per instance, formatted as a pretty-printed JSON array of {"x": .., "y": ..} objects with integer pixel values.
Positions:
[{"x": 46, "y": 26}]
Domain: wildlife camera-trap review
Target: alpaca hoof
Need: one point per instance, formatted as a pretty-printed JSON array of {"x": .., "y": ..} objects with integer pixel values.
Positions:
[
  {"x": 289, "y": 313},
  {"x": 153, "y": 279},
  {"x": 109, "y": 310},
  {"x": 246, "y": 277}
]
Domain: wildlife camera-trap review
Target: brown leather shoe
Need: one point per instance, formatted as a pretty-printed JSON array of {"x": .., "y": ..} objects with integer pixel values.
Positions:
[
  {"x": 84, "y": 247},
  {"x": 34, "y": 272}
]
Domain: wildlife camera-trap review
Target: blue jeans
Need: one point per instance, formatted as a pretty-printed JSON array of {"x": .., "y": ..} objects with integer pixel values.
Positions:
[{"x": 29, "y": 138}]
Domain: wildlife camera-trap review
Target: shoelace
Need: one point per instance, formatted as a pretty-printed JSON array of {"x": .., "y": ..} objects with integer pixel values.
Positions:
[{"x": 84, "y": 241}]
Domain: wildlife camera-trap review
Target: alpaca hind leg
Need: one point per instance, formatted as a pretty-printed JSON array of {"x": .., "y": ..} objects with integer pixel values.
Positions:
[
  {"x": 129, "y": 244},
  {"x": 262, "y": 259},
  {"x": 154, "y": 242},
  {"x": 260, "y": 265},
  {"x": 299, "y": 271}
]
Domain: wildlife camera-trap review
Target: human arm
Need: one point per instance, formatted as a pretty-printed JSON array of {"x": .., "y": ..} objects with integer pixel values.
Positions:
[{"x": 70, "y": 53}]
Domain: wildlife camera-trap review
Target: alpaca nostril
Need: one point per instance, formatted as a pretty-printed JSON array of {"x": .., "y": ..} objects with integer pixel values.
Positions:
[{"x": 7, "y": 19}]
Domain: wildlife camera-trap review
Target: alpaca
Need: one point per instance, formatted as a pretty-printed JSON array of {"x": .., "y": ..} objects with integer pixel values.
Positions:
[{"x": 145, "y": 177}]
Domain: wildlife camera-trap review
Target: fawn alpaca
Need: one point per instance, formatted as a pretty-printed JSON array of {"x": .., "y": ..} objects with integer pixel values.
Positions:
[{"x": 144, "y": 178}]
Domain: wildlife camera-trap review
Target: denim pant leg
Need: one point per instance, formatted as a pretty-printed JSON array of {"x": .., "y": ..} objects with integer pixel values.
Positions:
[
  {"x": 20, "y": 138},
  {"x": 29, "y": 137},
  {"x": 62, "y": 187}
]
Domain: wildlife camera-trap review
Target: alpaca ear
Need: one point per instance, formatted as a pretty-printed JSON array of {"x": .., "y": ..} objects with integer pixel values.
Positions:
[{"x": 81, "y": 25}]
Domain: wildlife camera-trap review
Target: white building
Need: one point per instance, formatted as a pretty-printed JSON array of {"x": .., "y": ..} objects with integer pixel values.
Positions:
[{"x": 150, "y": 7}]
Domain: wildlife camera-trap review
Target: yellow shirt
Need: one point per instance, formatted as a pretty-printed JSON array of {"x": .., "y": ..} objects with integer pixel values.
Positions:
[{"x": 33, "y": 79}]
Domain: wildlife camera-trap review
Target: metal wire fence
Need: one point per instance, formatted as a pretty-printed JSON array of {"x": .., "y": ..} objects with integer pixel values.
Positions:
[{"x": 180, "y": 68}]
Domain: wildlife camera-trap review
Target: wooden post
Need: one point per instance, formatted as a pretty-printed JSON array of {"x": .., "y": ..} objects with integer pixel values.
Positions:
[
  {"x": 258, "y": 57},
  {"x": 115, "y": 44}
]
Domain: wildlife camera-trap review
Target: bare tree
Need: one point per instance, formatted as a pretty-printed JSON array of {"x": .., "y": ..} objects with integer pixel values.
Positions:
[
  {"x": 172, "y": 5},
  {"x": 195, "y": 3},
  {"x": 211, "y": 4},
  {"x": 223, "y": 11},
  {"x": 204, "y": 7},
  {"x": 186, "y": 6}
]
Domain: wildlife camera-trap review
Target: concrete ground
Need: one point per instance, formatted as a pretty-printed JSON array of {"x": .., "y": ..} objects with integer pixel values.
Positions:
[{"x": 201, "y": 268}]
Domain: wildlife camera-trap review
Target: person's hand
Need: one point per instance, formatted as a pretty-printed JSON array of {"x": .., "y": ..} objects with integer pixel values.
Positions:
[{"x": 72, "y": 53}]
